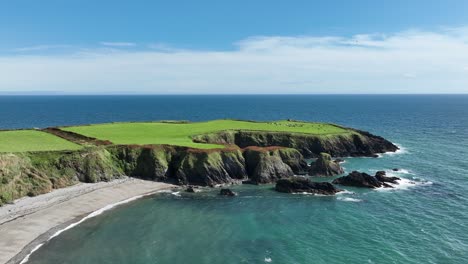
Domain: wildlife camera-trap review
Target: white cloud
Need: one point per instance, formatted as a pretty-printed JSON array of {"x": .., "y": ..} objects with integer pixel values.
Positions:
[
  {"x": 118, "y": 44},
  {"x": 406, "y": 62}
]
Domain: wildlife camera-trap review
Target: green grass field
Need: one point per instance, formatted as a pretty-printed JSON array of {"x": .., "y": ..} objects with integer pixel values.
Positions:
[
  {"x": 180, "y": 134},
  {"x": 32, "y": 140}
]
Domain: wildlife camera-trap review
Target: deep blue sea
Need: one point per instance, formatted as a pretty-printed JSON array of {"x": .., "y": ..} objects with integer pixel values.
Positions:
[{"x": 424, "y": 221}]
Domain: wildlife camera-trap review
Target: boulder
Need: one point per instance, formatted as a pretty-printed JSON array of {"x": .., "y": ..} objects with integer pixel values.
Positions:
[
  {"x": 301, "y": 185},
  {"x": 190, "y": 189},
  {"x": 227, "y": 192},
  {"x": 325, "y": 166},
  {"x": 358, "y": 179}
]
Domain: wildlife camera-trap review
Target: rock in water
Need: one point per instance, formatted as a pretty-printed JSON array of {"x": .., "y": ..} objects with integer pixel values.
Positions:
[
  {"x": 325, "y": 166},
  {"x": 227, "y": 192},
  {"x": 381, "y": 176},
  {"x": 301, "y": 185},
  {"x": 190, "y": 189},
  {"x": 361, "y": 179},
  {"x": 358, "y": 179}
]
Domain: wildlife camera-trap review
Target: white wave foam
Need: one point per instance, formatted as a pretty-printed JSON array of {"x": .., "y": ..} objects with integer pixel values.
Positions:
[
  {"x": 349, "y": 199},
  {"x": 400, "y": 150},
  {"x": 176, "y": 193},
  {"x": 91, "y": 215},
  {"x": 344, "y": 192},
  {"x": 26, "y": 259},
  {"x": 401, "y": 171},
  {"x": 268, "y": 260},
  {"x": 404, "y": 184}
]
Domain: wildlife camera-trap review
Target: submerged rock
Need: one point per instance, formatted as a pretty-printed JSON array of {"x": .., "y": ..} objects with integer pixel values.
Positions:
[
  {"x": 325, "y": 166},
  {"x": 227, "y": 192},
  {"x": 301, "y": 185},
  {"x": 362, "y": 179}
]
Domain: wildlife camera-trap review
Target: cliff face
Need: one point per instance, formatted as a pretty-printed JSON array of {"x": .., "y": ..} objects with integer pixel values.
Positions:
[
  {"x": 354, "y": 143},
  {"x": 30, "y": 174}
]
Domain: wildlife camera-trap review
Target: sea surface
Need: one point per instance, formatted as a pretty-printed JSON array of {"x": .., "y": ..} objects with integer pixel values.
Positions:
[{"x": 425, "y": 220}]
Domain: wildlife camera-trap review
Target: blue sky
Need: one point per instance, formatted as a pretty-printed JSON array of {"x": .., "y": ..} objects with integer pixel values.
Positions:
[{"x": 233, "y": 46}]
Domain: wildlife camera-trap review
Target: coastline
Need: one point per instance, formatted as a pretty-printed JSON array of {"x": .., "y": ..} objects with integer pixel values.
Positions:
[{"x": 31, "y": 221}]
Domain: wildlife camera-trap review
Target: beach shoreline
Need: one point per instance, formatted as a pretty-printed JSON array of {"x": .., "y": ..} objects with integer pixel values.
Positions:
[{"x": 29, "y": 222}]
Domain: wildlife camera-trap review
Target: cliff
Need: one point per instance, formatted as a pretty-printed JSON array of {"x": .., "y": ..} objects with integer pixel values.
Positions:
[{"x": 353, "y": 144}]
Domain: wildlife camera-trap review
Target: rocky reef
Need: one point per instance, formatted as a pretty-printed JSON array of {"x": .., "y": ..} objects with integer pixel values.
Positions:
[
  {"x": 304, "y": 185},
  {"x": 325, "y": 166},
  {"x": 362, "y": 179}
]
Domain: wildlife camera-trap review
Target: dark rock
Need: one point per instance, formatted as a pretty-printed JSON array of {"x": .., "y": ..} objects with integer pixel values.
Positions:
[
  {"x": 301, "y": 185},
  {"x": 374, "y": 155},
  {"x": 381, "y": 176},
  {"x": 227, "y": 192},
  {"x": 395, "y": 169},
  {"x": 358, "y": 179},
  {"x": 190, "y": 189},
  {"x": 325, "y": 166}
]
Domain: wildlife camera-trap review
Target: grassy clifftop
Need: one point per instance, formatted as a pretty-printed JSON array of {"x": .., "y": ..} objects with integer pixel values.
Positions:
[{"x": 181, "y": 134}]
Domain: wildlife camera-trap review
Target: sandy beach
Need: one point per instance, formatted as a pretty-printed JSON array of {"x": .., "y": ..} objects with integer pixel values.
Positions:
[{"x": 30, "y": 221}]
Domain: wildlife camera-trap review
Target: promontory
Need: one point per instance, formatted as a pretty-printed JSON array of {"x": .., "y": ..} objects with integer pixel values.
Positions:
[{"x": 35, "y": 161}]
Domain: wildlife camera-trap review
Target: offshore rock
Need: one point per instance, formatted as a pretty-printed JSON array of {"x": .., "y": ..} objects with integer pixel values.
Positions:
[
  {"x": 381, "y": 176},
  {"x": 358, "y": 179},
  {"x": 361, "y": 179},
  {"x": 304, "y": 185}
]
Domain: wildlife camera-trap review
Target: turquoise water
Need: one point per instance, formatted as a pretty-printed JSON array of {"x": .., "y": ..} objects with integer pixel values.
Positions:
[{"x": 425, "y": 221}]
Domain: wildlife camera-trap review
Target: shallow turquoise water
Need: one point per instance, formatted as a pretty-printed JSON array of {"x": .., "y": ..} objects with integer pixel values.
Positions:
[{"x": 426, "y": 222}]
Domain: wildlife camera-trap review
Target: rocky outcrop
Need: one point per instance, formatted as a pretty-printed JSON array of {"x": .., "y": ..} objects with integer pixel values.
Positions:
[
  {"x": 362, "y": 179},
  {"x": 304, "y": 185},
  {"x": 266, "y": 165},
  {"x": 325, "y": 166},
  {"x": 209, "y": 168},
  {"x": 381, "y": 176},
  {"x": 354, "y": 143}
]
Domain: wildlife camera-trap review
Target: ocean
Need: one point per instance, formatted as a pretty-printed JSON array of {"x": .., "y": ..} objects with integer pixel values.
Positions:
[{"x": 425, "y": 220}]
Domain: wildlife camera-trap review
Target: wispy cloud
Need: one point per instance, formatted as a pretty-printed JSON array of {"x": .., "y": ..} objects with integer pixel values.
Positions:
[
  {"x": 41, "y": 48},
  {"x": 118, "y": 44},
  {"x": 405, "y": 62}
]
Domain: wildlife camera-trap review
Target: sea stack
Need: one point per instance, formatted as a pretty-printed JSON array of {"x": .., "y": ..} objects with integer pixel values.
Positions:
[{"x": 325, "y": 166}]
